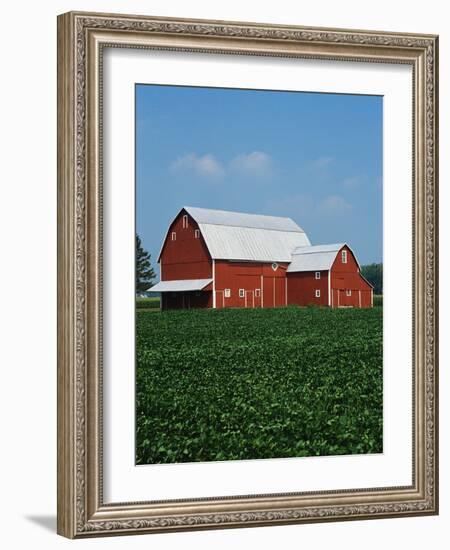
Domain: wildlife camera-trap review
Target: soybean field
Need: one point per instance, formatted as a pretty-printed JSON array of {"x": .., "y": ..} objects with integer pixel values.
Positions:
[{"x": 237, "y": 384}]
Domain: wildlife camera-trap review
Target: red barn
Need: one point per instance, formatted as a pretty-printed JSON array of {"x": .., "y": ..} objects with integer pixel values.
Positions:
[{"x": 216, "y": 259}]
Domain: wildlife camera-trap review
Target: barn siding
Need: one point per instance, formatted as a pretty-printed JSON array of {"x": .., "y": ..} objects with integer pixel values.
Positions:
[
  {"x": 346, "y": 277},
  {"x": 186, "y": 257},
  {"x": 250, "y": 276},
  {"x": 302, "y": 287}
]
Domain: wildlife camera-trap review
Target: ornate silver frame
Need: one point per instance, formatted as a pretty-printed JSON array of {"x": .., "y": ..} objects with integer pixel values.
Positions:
[{"x": 81, "y": 37}]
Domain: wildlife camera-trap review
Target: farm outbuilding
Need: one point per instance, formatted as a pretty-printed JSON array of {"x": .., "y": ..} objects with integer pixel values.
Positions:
[{"x": 216, "y": 259}]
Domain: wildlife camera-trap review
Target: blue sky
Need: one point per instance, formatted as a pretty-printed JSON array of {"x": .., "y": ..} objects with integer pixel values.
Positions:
[{"x": 314, "y": 157}]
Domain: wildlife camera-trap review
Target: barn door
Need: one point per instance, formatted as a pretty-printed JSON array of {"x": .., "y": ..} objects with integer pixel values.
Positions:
[
  {"x": 220, "y": 299},
  {"x": 347, "y": 298},
  {"x": 280, "y": 292},
  {"x": 249, "y": 298}
]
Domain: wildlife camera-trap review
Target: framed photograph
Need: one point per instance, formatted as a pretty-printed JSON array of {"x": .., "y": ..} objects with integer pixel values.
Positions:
[{"x": 247, "y": 276}]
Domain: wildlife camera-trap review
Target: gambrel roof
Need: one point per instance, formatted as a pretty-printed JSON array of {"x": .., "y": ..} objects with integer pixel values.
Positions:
[
  {"x": 315, "y": 258},
  {"x": 236, "y": 236},
  {"x": 248, "y": 237},
  {"x": 240, "y": 219}
]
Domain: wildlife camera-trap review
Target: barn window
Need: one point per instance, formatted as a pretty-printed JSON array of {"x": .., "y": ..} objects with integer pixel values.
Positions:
[
  {"x": 344, "y": 256},
  {"x": 317, "y": 274},
  {"x": 257, "y": 292},
  {"x": 317, "y": 293},
  {"x": 274, "y": 266},
  {"x": 197, "y": 233},
  {"x": 241, "y": 293},
  {"x": 227, "y": 293},
  {"x": 348, "y": 292},
  {"x": 174, "y": 236},
  {"x": 185, "y": 221}
]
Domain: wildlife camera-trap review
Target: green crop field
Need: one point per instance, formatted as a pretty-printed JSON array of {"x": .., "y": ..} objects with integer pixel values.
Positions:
[
  {"x": 268, "y": 383},
  {"x": 147, "y": 303}
]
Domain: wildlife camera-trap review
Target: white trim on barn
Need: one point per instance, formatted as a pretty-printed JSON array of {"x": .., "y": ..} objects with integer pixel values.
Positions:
[
  {"x": 214, "y": 283},
  {"x": 262, "y": 291},
  {"x": 330, "y": 299}
]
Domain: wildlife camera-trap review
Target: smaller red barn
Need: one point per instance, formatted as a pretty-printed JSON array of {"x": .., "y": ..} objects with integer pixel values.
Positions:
[{"x": 328, "y": 275}]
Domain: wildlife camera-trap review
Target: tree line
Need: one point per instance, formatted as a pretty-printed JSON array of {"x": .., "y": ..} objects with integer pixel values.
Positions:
[
  {"x": 145, "y": 274},
  {"x": 374, "y": 274}
]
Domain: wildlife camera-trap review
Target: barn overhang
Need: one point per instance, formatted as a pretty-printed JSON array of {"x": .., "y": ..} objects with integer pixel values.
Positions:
[{"x": 184, "y": 285}]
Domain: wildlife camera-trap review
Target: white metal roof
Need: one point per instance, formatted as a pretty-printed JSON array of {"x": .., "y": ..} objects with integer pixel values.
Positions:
[
  {"x": 314, "y": 258},
  {"x": 249, "y": 237},
  {"x": 180, "y": 286},
  {"x": 317, "y": 248},
  {"x": 240, "y": 219},
  {"x": 250, "y": 244}
]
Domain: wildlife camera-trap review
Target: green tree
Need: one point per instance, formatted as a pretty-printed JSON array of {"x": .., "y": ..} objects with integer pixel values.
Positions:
[
  {"x": 144, "y": 271},
  {"x": 374, "y": 274}
]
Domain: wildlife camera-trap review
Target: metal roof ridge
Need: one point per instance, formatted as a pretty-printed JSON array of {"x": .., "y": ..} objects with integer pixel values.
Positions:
[
  {"x": 309, "y": 249},
  {"x": 239, "y": 212},
  {"x": 267, "y": 216},
  {"x": 300, "y": 230}
]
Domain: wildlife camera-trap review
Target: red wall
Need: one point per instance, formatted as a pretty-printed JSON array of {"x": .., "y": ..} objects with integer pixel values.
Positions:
[
  {"x": 346, "y": 277},
  {"x": 358, "y": 298},
  {"x": 186, "y": 257},
  {"x": 250, "y": 276},
  {"x": 302, "y": 288}
]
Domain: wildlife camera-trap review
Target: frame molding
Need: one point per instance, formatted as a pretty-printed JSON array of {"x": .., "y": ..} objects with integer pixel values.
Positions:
[{"x": 81, "y": 37}]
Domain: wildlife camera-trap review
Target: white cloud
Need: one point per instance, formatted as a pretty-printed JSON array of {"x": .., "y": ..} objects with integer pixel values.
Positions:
[
  {"x": 352, "y": 182},
  {"x": 297, "y": 206},
  {"x": 333, "y": 205},
  {"x": 322, "y": 162},
  {"x": 203, "y": 165},
  {"x": 256, "y": 163},
  {"x": 317, "y": 171},
  {"x": 304, "y": 207}
]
